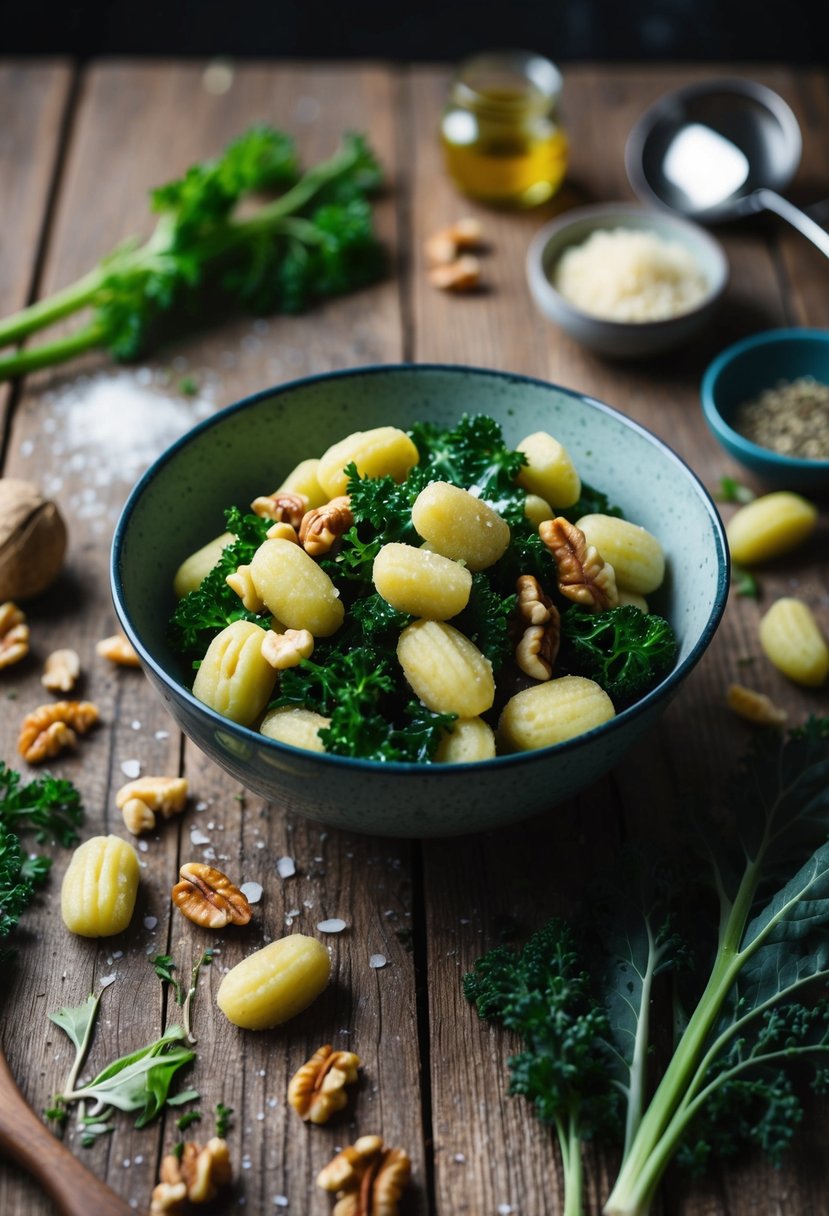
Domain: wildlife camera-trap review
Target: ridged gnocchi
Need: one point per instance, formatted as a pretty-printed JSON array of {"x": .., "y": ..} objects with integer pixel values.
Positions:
[
  {"x": 99, "y": 889},
  {"x": 421, "y": 582},
  {"x": 552, "y": 713},
  {"x": 770, "y": 526},
  {"x": 384, "y": 451},
  {"x": 634, "y": 553},
  {"x": 549, "y": 472},
  {"x": 233, "y": 677},
  {"x": 459, "y": 525},
  {"x": 295, "y": 588},
  {"x": 276, "y": 983},
  {"x": 792, "y": 640},
  {"x": 445, "y": 669}
]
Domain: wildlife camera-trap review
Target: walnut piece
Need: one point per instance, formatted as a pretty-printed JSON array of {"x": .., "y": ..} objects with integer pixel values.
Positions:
[
  {"x": 754, "y": 706},
  {"x": 283, "y": 506},
  {"x": 464, "y": 274},
  {"x": 323, "y": 525},
  {"x": 443, "y": 247},
  {"x": 14, "y": 634},
  {"x": 139, "y": 801},
  {"x": 317, "y": 1090},
  {"x": 368, "y": 1178},
  {"x": 241, "y": 582},
  {"x": 61, "y": 671},
  {"x": 196, "y": 1177},
  {"x": 287, "y": 649},
  {"x": 51, "y": 729},
  {"x": 118, "y": 650},
  {"x": 208, "y": 897},
  {"x": 538, "y": 645},
  {"x": 32, "y": 540},
  {"x": 583, "y": 574}
]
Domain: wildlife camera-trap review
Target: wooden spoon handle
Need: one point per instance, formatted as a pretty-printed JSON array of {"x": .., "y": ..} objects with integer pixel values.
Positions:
[{"x": 73, "y": 1189}]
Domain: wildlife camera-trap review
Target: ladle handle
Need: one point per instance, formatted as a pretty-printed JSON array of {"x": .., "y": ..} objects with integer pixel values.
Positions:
[{"x": 804, "y": 223}]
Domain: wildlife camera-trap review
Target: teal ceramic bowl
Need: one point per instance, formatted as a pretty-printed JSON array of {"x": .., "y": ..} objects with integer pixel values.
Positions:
[
  {"x": 740, "y": 374},
  {"x": 178, "y": 506}
]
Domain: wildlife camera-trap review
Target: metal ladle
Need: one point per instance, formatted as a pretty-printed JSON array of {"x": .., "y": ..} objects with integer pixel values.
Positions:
[{"x": 718, "y": 151}]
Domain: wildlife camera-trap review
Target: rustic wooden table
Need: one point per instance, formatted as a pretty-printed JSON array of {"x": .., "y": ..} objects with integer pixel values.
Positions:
[{"x": 78, "y": 151}]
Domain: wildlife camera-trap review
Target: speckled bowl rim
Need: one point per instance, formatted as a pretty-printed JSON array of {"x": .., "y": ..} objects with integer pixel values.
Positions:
[
  {"x": 722, "y": 429},
  {"x": 541, "y": 285},
  {"x": 662, "y": 691}
]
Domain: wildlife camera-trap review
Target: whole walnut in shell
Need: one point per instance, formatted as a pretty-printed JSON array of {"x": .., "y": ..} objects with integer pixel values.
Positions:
[{"x": 32, "y": 540}]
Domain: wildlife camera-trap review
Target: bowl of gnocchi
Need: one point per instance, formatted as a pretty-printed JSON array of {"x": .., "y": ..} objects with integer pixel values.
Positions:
[{"x": 418, "y": 600}]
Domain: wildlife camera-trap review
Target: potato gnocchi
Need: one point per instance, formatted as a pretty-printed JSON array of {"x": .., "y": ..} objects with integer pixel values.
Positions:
[{"x": 435, "y": 619}]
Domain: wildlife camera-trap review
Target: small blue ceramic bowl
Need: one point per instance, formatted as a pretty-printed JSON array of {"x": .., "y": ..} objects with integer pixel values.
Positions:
[
  {"x": 740, "y": 374},
  {"x": 178, "y": 506}
]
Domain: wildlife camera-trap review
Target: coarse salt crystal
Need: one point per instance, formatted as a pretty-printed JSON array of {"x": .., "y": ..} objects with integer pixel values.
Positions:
[
  {"x": 143, "y": 846},
  {"x": 131, "y": 768},
  {"x": 106, "y": 980},
  {"x": 376, "y": 961},
  {"x": 252, "y": 892},
  {"x": 504, "y": 1209},
  {"x": 285, "y": 867},
  {"x": 280, "y": 1201},
  {"x": 334, "y": 925},
  {"x": 150, "y": 922},
  {"x": 198, "y": 837},
  {"x": 135, "y": 724}
]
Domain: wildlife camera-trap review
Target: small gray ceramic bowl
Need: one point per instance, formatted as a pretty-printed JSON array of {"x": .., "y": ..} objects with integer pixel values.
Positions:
[
  {"x": 178, "y": 506},
  {"x": 623, "y": 339}
]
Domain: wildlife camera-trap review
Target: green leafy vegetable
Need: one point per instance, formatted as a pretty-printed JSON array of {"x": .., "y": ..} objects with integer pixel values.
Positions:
[
  {"x": 188, "y": 1119},
  {"x": 164, "y": 968},
  {"x": 314, "y": 240},
  {"x": 591, "y": 502},
  {"x": 473, "y": 455},
  {"x": 624, "y": 650},
  {"x": 744, "y": 582},
  {"x": 747, "y": 1012},
  {"x": 733, "y": 491},
  {"x": 223, "y": 1114}
]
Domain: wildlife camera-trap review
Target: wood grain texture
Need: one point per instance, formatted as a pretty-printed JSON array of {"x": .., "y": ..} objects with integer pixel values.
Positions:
[{"x": 434, "y": 1078}]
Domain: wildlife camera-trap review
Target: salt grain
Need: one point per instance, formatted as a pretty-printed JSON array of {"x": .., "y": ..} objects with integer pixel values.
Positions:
[
  {"x": 285, "y": 867},
  {"x": 252, "y": 892},
  {"x": 198, "y": 837},
  {"x": 162, "y": 734},
  {"x": 150, "y": 922},
  {"x": 131, "y": 768},
  {"x": 335, "y": 925},
  {"x": 376, "y": 961}
]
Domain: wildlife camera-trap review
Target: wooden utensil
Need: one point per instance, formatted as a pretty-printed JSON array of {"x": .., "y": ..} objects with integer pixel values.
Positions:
[{"x": 73, "y": 1189}]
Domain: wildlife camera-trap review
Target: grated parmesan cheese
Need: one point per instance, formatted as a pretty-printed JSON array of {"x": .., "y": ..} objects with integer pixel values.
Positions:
[{"x": 622, "y": 274}]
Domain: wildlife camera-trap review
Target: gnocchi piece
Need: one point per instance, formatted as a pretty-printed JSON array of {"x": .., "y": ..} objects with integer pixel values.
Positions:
[
  {"x": 97, "y": 897},
  {"x": 445, "y": 669},
  {"x": 276, "y": 983},
  {"x": 769, "y": 526},
  {"x": 634, "y": 553},
  {"x": 632, "y": 597},
  {"x": 457, "y": 524},
  {"x": 384, "y": 451},
  {"x": 549, "y": 472},
  {"x": 295, "y": 725},
  {"x": 791, "y": 638},
  {"x": 295, "y": 589},
  {"x": 194, "y": 569},
  {"x": 466, "y": 740},
  {"x": 537, "y": 509},
  {"x": 234, "y": 678},
  {"x": 303, "y": 480},
  {"x": 421, "y": 582},
  {"x": 552, "y": 713}
]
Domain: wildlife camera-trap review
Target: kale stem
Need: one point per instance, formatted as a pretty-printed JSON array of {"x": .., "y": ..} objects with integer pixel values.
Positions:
[
  {"x": 45, "y": 312},
  {"x": 50, "y": 353},
  {"x": 573, "y": 1173}
]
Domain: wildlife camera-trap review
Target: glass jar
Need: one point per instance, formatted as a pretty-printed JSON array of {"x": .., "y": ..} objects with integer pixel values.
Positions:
[{"x": 502, "y": 139}]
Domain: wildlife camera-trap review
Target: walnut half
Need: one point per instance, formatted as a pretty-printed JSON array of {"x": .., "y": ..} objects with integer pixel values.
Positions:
[
  {"x": 367, "y": 1178},
  {"x": 14, "y": 634},
  {"x": 207, "y": 897},
  {"x": 139, "y": 801},
  {"x": 51, "y": 729},
  {"x": 195, "y": 1177},
  {"x": 317, "y": 1090},
  {"x": 583, "y": 574}
]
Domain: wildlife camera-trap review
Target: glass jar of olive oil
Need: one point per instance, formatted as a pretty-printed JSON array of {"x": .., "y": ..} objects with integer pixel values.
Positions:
[{"x": 502, "y": 138}]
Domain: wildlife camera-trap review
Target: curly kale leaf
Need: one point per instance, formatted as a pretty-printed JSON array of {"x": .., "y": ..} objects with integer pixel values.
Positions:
[
  {"x": 474, "y": 454},
  {"x": 624, "y": 650},
  {"x": 382, "y": 510},
  {"x": 50, "y": 805},
  {"x": 203, "y": 613},
  {"x": 486, "y": 620},
  {"x": 591, "y": 502}
]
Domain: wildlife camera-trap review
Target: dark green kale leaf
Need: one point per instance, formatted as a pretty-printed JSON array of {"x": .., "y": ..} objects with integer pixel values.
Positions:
[
  {"x": 625, "y": 650},
  {"x": 591, "y": 502},
  {"x": 486, "y": 620},
  {"x": 474, "y": 454}
]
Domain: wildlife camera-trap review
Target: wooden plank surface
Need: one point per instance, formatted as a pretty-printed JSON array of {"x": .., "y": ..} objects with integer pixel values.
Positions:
[{"x": 435, "y": 1078}]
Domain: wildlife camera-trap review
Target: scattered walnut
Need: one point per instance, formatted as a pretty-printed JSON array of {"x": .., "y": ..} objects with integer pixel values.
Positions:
[
  {"x": 50, "y": 729},
  {"x": 321, "y": 526},
  {"x": 464, "y": 274},
  {"x": 444, "y": 246},
  {"x": 61, "y": 671},
  {"x": 583, "y": 574},
  {"x": 317, "y": 1090},
  {"x": 195, "y": 1177},
  {"x": 241, "y": 582},
  {"x": 118, "y": 650},
  {"x": 287, "y": 649},
  {"x": 139, "y": 801},
  {"x": 368, "y": 1178},
  {"x": 14, "y": 634},
  {"x": 208, "y": 897},
  {"x": 32, "y": 540},
  {"x": 283, "y": 506},
  {"x": 754, "y": 706}
]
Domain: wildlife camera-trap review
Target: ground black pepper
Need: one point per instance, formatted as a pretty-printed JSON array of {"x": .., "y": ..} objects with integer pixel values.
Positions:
[{"x": 792, "y": 418}]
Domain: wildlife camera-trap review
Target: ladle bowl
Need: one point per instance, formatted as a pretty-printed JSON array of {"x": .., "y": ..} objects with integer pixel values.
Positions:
[{"x": 719, "y": 150}]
